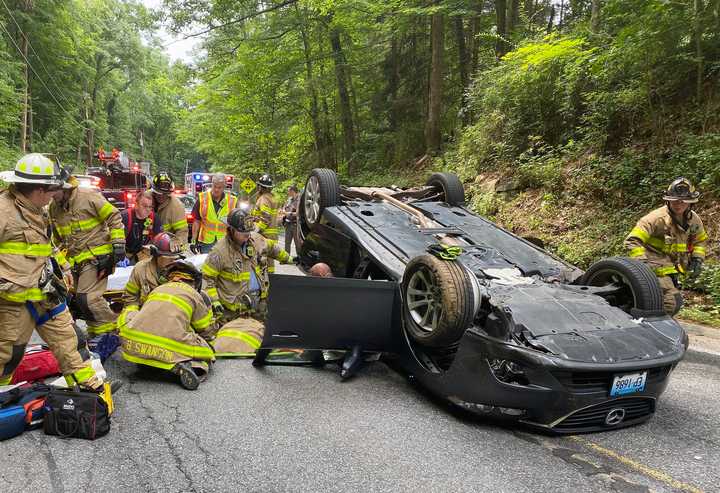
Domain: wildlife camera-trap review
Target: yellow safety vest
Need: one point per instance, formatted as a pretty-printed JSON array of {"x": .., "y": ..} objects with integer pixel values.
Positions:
[{"x": 211, "y": 228}]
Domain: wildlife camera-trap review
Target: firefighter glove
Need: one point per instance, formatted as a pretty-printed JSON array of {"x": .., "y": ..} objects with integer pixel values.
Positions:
[
  {"x": 695, "y": 267},
  {"x": 194, "y": 248},
  {"x": 118, "y": 251},
  {"x": 217, "y": 309}
]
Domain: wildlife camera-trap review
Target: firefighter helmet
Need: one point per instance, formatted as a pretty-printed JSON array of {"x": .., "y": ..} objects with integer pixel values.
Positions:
[
  {"x": 165, "y": 245},
  {"x": 682, "y": 189},
  {"x": 35, "y": 168},
  {"x": 266, "y": 181},
  {"x": 162, "y": 183},
  {"x": 185, "y": 271},
  {"x": 240, "y": 220}
]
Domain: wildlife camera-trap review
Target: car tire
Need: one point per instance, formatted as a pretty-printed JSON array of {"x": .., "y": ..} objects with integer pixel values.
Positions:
[
  {"x": 438, "y": 302},
  {"x": 641, "y": 288},
  {"x": 322, "y": 190},
  {"x": 451, "y": 187}
]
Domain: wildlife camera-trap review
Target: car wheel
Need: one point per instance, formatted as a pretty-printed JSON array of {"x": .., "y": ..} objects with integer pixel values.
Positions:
[
  {"x": 637, "y": 285},
  {"x": 322, "y": 190},
  {"x": 450, "y": 186},
  {"x": 438, "y": 301}
]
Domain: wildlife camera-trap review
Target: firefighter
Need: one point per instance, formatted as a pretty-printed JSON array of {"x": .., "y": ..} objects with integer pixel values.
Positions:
[
  {"x": 172, "y": 329},
  {"x": 235, "y": 271},
  {"x": 140, "y": 227},
  {"x": 92, "y": 232},
  {"x": 170, "y": 212},
  {"x": 671, "y": 240},
  {"x": 266, "y": 210},
  {"x": 289, "y": 216},
  {"x": 210, "y": 210},
  {"x": 148, "y": 274},
  {"x": 32, "y": 295}
]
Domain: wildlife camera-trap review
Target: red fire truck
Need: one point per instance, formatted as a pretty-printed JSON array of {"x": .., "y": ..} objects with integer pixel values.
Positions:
[{"x": 119, "y": 177}]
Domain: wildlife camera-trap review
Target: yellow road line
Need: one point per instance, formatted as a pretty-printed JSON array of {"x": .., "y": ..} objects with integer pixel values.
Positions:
[{"x": 648, "y": 471}]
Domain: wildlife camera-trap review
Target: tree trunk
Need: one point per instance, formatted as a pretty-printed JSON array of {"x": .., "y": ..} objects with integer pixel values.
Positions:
[
  {"x": 551, "y": 19},
  {"x": 700, "y": 68},
  {"x": 346, "y": 118},
  {"x": 513, "y": 16},
  {"x": 501, "y": 24},
  {"x": 26, "y": 95},
  {"x": 321, "y": 141},
  {"x": 433, "y": 135},
  {"x": 463, "y": 64},
  {"x": 595, "y": 16},
  {"x": 473, "y": 42},
  {"x": 392, "y": 73},
  {"x": 30, "y": 121}
]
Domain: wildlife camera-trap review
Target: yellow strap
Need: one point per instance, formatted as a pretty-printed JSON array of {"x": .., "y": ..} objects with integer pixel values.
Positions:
[
  {"x": 106, "y": 210},
  {"x": 169, "y": 298},
  {"x": 176, "y": 226},
  {"x": 665, "y": 271},
  {"x": 209, "y": 270},
  {"x": 32, "y": 294},
  {"x": 203, "y": 322},
  {"x": 250, "y": 340},
  {"x": 195, "y": 352},
  {"x": 27, "y": 249},
  {"x": 637, "y": 252},
  {"x": 149, "y": 362},
  {"x": 91, "y": 253}
]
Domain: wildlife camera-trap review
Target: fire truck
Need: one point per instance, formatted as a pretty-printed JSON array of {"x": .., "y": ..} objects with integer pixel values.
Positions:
[
  {"x": 119, "y": 177},
  {"x": 198, "y": 182}
]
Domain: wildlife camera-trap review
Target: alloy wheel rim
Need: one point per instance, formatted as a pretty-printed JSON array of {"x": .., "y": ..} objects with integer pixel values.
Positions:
[
  {"x": 312, "y": 200},
  {"x": 423, "y": 300}
]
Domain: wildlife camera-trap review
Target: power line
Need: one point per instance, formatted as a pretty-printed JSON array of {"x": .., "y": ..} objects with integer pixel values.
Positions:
[
  {"x": 27, "y": 39},
  {"x": 12, "y": 40}
]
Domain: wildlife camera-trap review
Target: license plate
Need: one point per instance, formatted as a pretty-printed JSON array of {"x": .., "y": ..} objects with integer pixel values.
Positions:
[{"x": 628, "y": 384}]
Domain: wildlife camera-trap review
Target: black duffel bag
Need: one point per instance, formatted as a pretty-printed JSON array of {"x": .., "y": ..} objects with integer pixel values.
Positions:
[{"x": 75, "y": 414}]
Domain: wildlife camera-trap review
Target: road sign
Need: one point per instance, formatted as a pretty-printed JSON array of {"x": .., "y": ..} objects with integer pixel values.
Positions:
[{"x": 247, "y": 185}]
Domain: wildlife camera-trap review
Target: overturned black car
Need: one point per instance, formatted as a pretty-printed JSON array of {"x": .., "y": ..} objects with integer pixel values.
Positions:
[{"x": 478, "y": 316}]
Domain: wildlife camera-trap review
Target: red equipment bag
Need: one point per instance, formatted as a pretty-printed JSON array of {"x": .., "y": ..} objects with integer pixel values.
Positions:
[{"x": 38, "y": 363}]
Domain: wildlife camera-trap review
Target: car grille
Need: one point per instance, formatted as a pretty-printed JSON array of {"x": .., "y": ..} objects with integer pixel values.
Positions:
[
  {"x": 600, "y": 381},
  {"x": 594, "y": 417}
]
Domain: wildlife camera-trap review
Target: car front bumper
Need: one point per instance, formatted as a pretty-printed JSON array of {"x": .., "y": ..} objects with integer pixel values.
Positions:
[{"x": 560, "y": 396}]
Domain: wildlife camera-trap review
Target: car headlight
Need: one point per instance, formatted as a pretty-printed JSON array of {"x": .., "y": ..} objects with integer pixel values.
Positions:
[{"x": 508, "y": 371}]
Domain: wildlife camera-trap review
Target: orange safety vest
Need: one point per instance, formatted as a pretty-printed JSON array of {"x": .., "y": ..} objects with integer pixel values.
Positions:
[{"x": 211, "y": 227}]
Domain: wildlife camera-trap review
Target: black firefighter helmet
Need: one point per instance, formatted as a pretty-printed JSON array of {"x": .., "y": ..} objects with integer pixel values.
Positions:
[
  {"x": 682, "y": 189},
  {"x": 240, "y": 220},
  {"x": 185, "y": 271},
  {"x": 265, "y": 181},
  {"x": 162, "y": 184}
]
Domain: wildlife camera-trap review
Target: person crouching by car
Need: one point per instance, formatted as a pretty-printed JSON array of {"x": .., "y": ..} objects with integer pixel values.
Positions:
[
  {"x": 140, "y": 228},
  {"x": 173, "y": 328}
]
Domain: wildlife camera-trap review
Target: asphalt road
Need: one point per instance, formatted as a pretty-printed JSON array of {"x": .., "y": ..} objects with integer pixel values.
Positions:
[{"x": 301, "y": 429}]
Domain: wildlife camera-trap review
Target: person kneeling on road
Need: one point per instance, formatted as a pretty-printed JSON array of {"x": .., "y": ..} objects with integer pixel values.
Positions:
[
  {"x": 235, "y": 269},
  {"x": 149, "y": 274},
  {"x": 173, "y": 328}
]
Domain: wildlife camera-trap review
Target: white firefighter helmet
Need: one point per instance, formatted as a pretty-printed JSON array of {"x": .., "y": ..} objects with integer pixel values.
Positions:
[{"x": 34, "y": 168}]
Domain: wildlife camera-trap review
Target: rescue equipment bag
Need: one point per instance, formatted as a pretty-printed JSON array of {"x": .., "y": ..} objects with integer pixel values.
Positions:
[
  {"x": 26, "y": 401},
  {"x": 38, "y": 363},
  {"x": 12, "y": 421},
  {"x": 76, "y": 414}
]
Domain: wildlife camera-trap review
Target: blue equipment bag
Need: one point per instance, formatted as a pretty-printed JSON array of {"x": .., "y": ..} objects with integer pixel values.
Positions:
[{"x": 12, "y": 421}]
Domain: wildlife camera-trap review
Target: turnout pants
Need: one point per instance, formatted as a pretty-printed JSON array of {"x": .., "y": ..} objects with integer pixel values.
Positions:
[
  {"x": 238, "y": 338},
  {"x": 289, "y": 235},
  {"x": 672, "y": 297},
  {"x": 16, "y": 328},
  {"x": 89, "y": 292}
]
